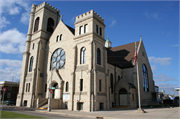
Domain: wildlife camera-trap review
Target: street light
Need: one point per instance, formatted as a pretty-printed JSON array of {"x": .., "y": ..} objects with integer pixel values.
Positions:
[{"x": 49, "y": 108}]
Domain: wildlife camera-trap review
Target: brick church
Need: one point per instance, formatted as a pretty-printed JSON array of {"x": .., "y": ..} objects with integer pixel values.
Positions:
[{"x": 80, "y": 65}]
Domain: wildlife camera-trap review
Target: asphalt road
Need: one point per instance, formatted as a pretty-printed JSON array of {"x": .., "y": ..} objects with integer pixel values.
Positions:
[{"x": 46, "y": 115}]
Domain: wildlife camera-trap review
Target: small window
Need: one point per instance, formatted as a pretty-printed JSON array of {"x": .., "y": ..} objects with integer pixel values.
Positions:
[
  {"x": 81, "y": 84},
  {"x": 29, "y": 88},
  {"x": 85, "y": 28},
  {"x": 60, "y": 37},
  {"x": 111, "y": 78},
  {"x": 79, "y": 106},
  {"x": 133, "y": 96},
  {"x": 66, "y": 105},
  {"x": 143, "y": 54},
  {"x": 98, "y": 56},
  {"x": 97, "y": 29},
  {"x": 26, "y": 87},
  {"x": 83, "y": 55},
  {"x": 33, "y": 46},
  {"x": 80, "y": 30},
  {"x": 99, "y": 85},
  {"x": 31, "y": 64},
  {"x": 67, "y": 86},
  {"x": 118, "y": 78},
  {"x": 45, "y": 89},
  {"x": 57, "y": 38},
  {"x": 25, "y": 102},
  {"x": 101, "y": 106},
  {"x": 100, "y": 30},
  {"x": 113, "y": 104}
]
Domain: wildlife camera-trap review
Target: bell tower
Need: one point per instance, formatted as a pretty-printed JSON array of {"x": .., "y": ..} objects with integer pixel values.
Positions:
[
  {"x": 89, "y": 38},
  {"x": 43, "y": 20}
]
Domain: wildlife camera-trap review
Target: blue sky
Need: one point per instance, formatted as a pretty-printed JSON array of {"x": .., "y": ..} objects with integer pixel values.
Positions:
[{"x": 156, "y": 21}]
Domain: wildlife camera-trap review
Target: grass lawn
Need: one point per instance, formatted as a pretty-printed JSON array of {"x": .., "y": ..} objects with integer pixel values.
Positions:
[{"x": 6, "y": 114}]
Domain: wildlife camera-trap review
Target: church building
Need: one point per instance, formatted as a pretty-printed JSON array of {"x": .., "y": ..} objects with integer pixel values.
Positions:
[{"x": 85, "y": 72}]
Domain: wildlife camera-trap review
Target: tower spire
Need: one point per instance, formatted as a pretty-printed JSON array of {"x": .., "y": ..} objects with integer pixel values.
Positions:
[{"x": 108, "y": 43}]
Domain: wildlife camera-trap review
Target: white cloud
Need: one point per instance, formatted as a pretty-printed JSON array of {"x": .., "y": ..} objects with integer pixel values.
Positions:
[
  {"x": 3, "y": 22},
  {"x": 175, "y": 45},
  {"x": 163, "y": 78},
  {"x": 10, "y": 70},
  {"x": 14, "y": 7},
  {"x": 113, "y": 22},
  {"x": 161, "y": 61},
  {"x": 155, "y": 15},
  {"x": 12, "y": 41},
  {"x": 154, "y": 68}
]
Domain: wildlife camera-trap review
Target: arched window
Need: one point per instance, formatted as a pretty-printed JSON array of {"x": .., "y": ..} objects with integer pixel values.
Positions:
[
  {"x": 85, "y": 28},
  {"x": 67, "y": 86},
  {"x": 31, "y": 64},
  {"x": 111, "y": 78},
  {"x": 57, "y": 38},
  {"x": 36, "y": 24},
  {"x": 145, "y": 78},
  {"x": 98, "y": 56},
  {"x": 80, "y": 30},
  {"x": 60, "y": 37},
  {"x": 50, "y": 25},
  {"x": 123, "y": 91},
  {"x": 118, "y": 78},
  {"x": 58, "y": 59},
  {"x": 83, "y": 55}
]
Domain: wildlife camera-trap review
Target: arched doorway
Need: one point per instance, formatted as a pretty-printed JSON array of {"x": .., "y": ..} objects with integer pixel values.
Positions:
[
  {"x": 55, "y": 93},
  {"x": 123, "y": 97}
]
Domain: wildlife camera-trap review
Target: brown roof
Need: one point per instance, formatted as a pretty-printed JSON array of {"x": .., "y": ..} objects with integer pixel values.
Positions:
[{"x": 122, "y": 56}]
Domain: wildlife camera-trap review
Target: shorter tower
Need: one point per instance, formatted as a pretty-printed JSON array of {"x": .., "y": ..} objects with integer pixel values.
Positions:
[{"x": 108, "y": 43}]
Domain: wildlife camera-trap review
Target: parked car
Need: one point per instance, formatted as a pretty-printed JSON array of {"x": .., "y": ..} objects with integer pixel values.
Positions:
[{"x": 11, "y": 102}]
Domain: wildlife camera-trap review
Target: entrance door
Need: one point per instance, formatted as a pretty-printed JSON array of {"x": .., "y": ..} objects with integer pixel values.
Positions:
[{"x": 123, "y": 97}]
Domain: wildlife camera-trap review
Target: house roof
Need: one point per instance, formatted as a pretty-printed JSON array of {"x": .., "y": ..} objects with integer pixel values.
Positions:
[
  {"x": 71, "y": 29},
  {"x": 122, "y": 56}
]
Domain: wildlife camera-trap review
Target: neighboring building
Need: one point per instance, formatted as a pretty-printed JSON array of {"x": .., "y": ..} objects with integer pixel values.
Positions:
[
  {"x": 87, "y": 73},
  {"x": 12, "y": 89}
]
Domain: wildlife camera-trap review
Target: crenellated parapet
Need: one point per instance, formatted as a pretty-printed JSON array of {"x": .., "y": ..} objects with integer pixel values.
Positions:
[
  {"x": 89, "y": 14},
  {"x": 48, "y": 6}
]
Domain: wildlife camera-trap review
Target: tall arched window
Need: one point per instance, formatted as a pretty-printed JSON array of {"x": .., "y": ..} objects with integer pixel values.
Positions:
[
  {"x": 145, "y": 78},
  {"x": 58, "y": 59},
  {"x": 67, "y": 86},
  {"x": 31, "y": 64},
  {"x": 111, "y": 78},
  {"x": 57, "y": 38},
  {"x": 98, "y": 56},
  {"x": 36, "y": 24},
  {"x": 50, "y": 25},
  {"x": 118, "y": 78},
  {"x": 83, "y": 55},
  {"x": 60, "y": 37}
]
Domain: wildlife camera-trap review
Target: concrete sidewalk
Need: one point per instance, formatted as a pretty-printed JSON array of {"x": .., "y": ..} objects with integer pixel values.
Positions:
[{"x": 151, "y": 113}]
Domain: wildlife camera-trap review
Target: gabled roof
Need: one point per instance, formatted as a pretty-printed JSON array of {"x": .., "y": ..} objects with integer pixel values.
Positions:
[
  {"x": 71, "y": 29},
  {"x": 122, "y": 56}
]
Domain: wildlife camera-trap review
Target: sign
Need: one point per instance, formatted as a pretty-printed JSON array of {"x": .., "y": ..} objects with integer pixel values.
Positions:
[
  {"x": 53, "y": 88},
  {"x": 4, "y": 89},
  {"x": 50, "y": 90},
  {"x": 66, "y": 96}
]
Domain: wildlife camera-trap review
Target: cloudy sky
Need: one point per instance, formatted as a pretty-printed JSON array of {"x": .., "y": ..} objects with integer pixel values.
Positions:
[{"x": 157, "y": 22}]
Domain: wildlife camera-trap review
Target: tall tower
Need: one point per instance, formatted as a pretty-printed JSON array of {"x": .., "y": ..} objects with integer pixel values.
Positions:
[
  {"x": 43, "y": 20},
  {"x": 89, "y": 37}
]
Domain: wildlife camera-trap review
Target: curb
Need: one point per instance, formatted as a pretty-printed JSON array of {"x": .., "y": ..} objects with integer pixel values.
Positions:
[{"x": 68, "y": 114}]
